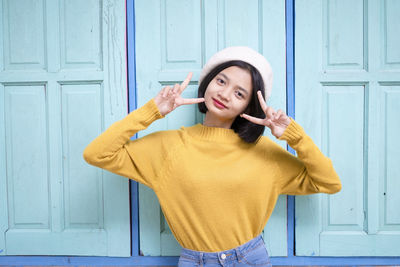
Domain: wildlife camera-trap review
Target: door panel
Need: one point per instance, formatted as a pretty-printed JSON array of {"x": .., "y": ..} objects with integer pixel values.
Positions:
[
  {"x": 347, "y": 67},
  {"x": 62, "y": 82}
]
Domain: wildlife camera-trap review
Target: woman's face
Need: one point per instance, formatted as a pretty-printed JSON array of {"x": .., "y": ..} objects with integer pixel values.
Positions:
[{"x": 229, "y": 93}]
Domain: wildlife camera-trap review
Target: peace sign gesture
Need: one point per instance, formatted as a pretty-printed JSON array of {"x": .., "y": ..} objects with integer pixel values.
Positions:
[
  {"x": 170, "y": 98},
  {"x": 276, "y": 121}
]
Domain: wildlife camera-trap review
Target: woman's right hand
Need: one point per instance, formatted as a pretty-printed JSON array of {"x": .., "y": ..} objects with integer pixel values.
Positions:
[{"x": 170, "y": 98}]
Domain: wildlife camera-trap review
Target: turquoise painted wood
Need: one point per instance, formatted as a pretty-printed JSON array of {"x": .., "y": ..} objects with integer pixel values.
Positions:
[
  {"x": 347, "y": 99},
  {"x": 62, "y": 82},
  {"x": 175, "y": 37}
]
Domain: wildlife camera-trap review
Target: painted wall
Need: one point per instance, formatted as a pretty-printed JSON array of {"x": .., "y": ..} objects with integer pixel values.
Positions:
[{"x": 306, "y": 17}]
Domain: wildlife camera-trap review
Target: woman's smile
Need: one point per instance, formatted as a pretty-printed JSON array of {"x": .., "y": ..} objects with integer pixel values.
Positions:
[{"x": 218, "y": 104}]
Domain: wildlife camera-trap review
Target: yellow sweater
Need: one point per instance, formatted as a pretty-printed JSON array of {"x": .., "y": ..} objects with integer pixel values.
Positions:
[{"x": 216, "y": 191}]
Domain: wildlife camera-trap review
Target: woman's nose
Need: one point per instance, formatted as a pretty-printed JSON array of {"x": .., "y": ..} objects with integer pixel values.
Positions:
[{"x": 224, "y": 93}]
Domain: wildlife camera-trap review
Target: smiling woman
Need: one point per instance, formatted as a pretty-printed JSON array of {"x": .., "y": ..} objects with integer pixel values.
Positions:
[
  {"x": 218, "y": 182},
  {"x": 230, "y": 85},
  {"x": 224, "y": 93}
]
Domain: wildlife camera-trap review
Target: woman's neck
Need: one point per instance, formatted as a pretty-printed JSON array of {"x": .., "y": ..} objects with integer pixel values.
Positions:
[{"x": 213, "y": 121}]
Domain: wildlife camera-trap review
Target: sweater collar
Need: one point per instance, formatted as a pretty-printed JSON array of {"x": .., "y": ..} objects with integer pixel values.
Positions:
[{"x": 215, "y": 134}]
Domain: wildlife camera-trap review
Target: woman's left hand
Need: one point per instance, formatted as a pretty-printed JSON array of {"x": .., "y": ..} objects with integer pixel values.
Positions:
[{"x": 276, "y": 121}]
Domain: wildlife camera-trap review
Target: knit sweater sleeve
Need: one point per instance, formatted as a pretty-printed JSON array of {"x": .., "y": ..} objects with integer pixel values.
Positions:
[
  {"x": 138, "y": 159},
  {"x": 310, "y": 172}
]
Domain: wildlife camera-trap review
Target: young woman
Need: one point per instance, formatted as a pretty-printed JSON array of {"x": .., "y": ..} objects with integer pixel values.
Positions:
[{"x": 218, "y": 181}]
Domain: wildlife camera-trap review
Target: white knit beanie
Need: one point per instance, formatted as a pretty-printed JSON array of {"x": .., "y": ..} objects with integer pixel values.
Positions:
[{"x": 245, "y": 54}]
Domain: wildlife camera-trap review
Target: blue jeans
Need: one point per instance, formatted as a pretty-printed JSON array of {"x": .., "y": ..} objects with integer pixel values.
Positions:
[{"x": 252, "y": 253}]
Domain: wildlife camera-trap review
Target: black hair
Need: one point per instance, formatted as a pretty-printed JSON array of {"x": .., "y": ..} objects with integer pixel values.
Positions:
[{"x": 248, "y": 131}]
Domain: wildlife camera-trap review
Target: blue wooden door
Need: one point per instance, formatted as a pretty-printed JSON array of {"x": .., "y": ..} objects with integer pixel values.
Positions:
[
  {"x": 175, "y": 37},
  {"x": 347, "y": 99},
  {"x": 62, "y": 82}
]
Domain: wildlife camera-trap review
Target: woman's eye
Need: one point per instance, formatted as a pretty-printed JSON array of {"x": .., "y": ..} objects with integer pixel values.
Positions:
[
  {"x": 239, "y": 94},
  {"x": 220, "y": 81}
]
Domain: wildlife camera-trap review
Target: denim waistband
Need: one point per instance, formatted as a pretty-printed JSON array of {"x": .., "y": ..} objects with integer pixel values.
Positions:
[{"x": 229, "y": 255}]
